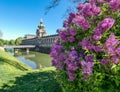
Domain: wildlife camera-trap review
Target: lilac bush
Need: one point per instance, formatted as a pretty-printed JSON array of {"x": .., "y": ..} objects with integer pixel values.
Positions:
[{"x": 88, "y": 49}]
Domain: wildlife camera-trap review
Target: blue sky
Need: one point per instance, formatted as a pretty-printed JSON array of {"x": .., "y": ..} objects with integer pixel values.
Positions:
[{"x": 20, "y": 17}]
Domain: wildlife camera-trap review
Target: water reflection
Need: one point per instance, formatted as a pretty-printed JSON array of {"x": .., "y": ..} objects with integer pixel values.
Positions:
[
  {"x": 28, "y": 62},
  {"x": 35, "y": 60}
]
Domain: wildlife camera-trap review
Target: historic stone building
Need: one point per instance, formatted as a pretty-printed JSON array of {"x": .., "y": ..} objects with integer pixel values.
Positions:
[{"x": 42, "y": 41}]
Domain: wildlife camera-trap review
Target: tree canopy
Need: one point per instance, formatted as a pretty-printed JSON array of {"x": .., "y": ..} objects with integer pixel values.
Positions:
[{"x": 55, "y": 3}]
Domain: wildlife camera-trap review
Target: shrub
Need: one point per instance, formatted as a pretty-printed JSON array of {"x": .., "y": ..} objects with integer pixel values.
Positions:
[{"x": 87, "y": 54}]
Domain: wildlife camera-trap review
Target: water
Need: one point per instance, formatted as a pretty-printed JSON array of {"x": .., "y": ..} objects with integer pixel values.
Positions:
[{"x": 35, "y": 60}]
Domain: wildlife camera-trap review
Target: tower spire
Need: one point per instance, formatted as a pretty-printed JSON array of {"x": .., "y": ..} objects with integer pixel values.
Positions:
[
  {"x": 41, "y": 21},
  {"x": 41, "y": 31}
]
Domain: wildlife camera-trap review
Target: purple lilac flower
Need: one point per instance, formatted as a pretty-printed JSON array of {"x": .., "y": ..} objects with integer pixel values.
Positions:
[
  {"x": 89, "y": 58},
  {"x": 111, "y": 51},
  {"x": 106, "y": 24},
  {"x": 56, "y": 42},
  {"x": 98, "y": 48},
  {"x": 96, "y": 37},
  {"x": 87, "y": 67},
  {"x": 62, "y": 35},
  {"x": 68, "y": 22},
  {"x": 107, "y": 0},
  {"x": 81, "y": 21},
  {"x": 57, "y": 64},
  {"x": 80, "y": 6},
  {"x": 115, "y": 4},
  {"x": 65, "y": 23},
  {"x": 72, "y": 66},
  {"x": 55, "y": 50},
  {"x": 54, "y": 53},
  {"x": 57, "y": 54},
  {"x": 95, "y": 10},
  {"x": 110, "y": 44},
  {"x": 72, "y": 15},
  {"x": 100, "y": 1},
  {"x": 53, "y": 62},
  {"x": 114, "y": 59},
  {"x": 67, "y": 35},
  {"x": 86, "y": 11},
  {"x": 87, "y": 44},
  {"x": 71, "y": 75},
  {"x": 95, "y": 1},
  {"x": 73, "y": 32},
  {"x": 73, "y": 55},
  {"x": 72, "y": 48},
  {"x": 89, "y": 9},
  {"x": 97, "y": 33},
  {"x": 104, "y": 61},
  {"x": 62, "y": 57},
  {"x": 81, "y": 54},
  {"x": 71, "y": 39},
  {"x": 117, "y": 51},
  {"x": 70, "y": 18},
  {"x": 79, "y": 44},
  {"x": 72, "y": 61},
  {"x": 111, "y": 41}
]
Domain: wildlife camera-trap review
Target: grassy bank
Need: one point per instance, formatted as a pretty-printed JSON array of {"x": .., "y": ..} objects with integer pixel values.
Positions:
[{"x": 17, "y": 77}]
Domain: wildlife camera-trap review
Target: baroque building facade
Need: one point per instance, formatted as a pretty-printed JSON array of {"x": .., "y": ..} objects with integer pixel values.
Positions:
[{"x": 42, "y": 41}]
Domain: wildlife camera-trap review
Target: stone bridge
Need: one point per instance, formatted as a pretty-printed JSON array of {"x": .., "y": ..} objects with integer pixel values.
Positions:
[
  {"x": 19, "y": 46},
  {"x": 16, "y": 47}
]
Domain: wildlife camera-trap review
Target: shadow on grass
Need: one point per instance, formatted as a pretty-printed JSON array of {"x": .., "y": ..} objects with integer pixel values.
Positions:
[{"x": 33, "y": 82}]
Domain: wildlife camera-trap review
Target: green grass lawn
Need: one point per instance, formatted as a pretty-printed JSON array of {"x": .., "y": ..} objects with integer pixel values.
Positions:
[{"x": 17, "y": 77}]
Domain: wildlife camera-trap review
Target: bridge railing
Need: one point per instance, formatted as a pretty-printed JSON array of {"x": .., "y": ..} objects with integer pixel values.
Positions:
[{"x": 19, "y": 46}]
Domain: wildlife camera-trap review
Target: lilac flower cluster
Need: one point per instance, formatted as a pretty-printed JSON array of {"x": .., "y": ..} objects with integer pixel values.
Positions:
[
  {"x": 67, "y": 35},
  {"x": 86, "y": 44},
  {"x": 68, "y": 22},
  {"x": 72, "y": 64},
  {"x": 89, "y": 9},
  {"x": 84, "y": 53},
  {"x": 104, "y": 25},
  {"x": 57, "y": 55},
  {"x": 87, "y": 67},
  {"x": 114, "y": 4},
  {"x": 111, "y": 48},
  {"x": 81, "y": 21},
  {"x": 104, "y": 61}
]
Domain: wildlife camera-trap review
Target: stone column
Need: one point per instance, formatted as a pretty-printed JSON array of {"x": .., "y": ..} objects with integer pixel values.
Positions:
[
  {"x": 15, "y": 50},
  {"x": 27, "y": 50}
]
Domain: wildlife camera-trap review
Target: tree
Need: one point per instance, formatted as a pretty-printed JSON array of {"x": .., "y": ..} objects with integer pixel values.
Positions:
[
  {"x": 18, "y": 40},
  {"x": 55, "y": 3},
  {"x": 1, "y": 42},
  {"x": 12, "y": 42},
  {"x": 6, "y": 42}
]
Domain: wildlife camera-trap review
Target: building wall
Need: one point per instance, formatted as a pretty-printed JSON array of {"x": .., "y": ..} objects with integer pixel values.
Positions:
[{"x": 43, "y": 44}]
